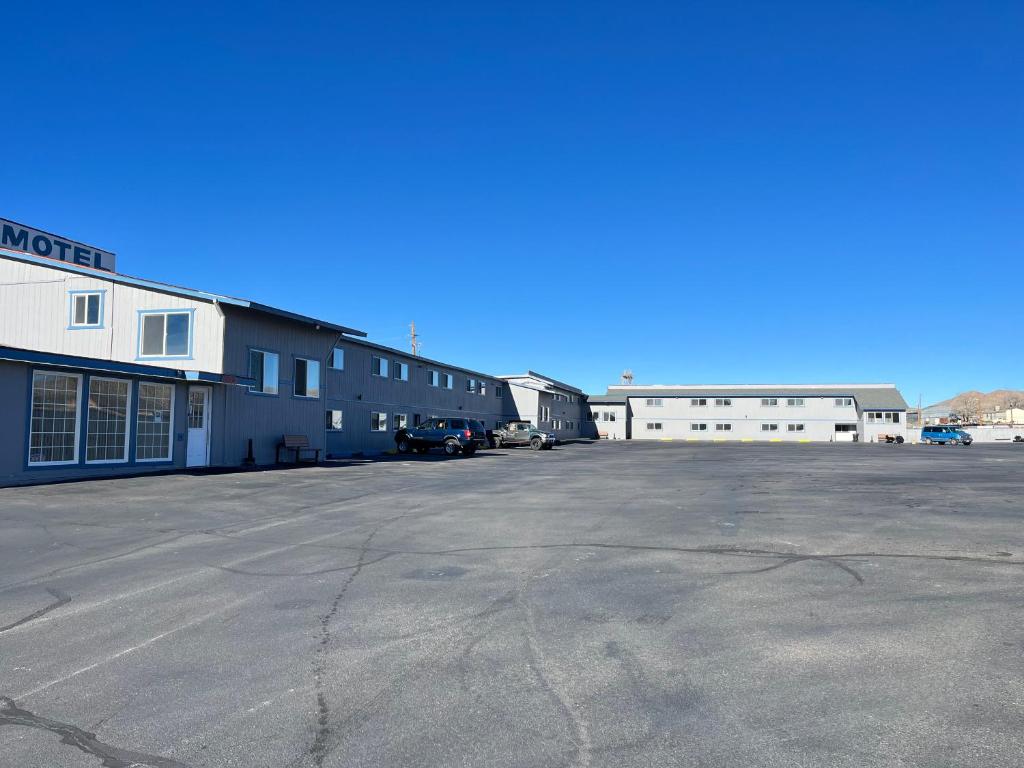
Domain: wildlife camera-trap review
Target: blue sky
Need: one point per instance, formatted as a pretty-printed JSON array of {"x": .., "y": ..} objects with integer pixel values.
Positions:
[{"x": 715, "y": 192}]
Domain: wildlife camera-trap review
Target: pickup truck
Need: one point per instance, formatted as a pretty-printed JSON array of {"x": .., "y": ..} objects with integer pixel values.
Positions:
[
  {"x": 453, "y": 435},
  {"x": 522, "y": 433}
]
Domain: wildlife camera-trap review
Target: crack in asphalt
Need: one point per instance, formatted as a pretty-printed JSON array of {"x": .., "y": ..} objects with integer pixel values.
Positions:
[
  {"x": 110, "y": 756},
  {"x": 62, "y": 599}
]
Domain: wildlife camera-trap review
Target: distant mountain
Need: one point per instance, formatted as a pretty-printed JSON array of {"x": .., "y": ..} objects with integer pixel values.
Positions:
[{"x": 981, "y": 402}]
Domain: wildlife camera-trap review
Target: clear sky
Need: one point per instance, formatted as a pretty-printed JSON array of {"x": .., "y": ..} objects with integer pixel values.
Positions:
[{"x": 706, "y": 192}]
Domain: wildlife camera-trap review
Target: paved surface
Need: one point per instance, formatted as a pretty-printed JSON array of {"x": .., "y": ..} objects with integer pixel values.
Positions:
[{"x": 596, "y": 605}]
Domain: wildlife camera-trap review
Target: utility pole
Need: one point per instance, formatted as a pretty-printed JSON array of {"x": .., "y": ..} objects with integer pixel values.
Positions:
[
  {"x": 414, "y": 339},
  {"x": 920, "y": 420}
]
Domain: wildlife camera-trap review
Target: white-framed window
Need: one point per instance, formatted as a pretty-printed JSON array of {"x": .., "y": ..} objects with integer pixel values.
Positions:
[
  {"x": 698, "y": 402},
  {"x": 874, "y": 417},
  {"x": 892, "y": 417},
  {"x": 795, "y": 427},
  {"x": 154, "y": 422},
  {"x": 307, "y": 378},
  {"x": 723, "y": 427},
  {"x": 471, "y": 385},
  {"x": 723, "y": 402},
  {"x": 86, "y": 310},
  {"x": 338, "y": 359},
  {"x": 483, "y": 387},
  {"x": 545, "y": 413},
  {"x": 447, "y": 380},
  {"x": 433, "y": 378},
  {"x": 401, "y": 371},
  {"x": 106, "y": 433},
  {"x": 165, "y": 333},
  {"x": 878, "y": 417},
  {"x": 769, "y": 402},
  {"x": 795, "y": 402},
  {"x": 53, "y": 431},
  {"x": 499, "y": 390},
  {"x": 378, "y": 366},
  {"x": 556, "y": 424},
  {"x": 653, "y": 426},
  {"x": 769, "y": 427},
  {"x": 264, "y": 367},
  {"x": 655, "y": 402},
  {"x": 400, "y": 421},
  {"x": 843, "y": 402},
  {"x": 335, "y": 420},
  {"x": 378, "y": 422},
  {"x": 698, "y": 427}
]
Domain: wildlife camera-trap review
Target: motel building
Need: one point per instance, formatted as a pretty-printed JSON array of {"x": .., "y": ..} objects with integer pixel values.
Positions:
[
  {"x": 749, "y": 412},
  {"x": 106, "y": 374}
]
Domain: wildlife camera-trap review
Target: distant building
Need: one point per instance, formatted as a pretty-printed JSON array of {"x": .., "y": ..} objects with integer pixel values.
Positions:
[{"x": 1005, "y": 416}]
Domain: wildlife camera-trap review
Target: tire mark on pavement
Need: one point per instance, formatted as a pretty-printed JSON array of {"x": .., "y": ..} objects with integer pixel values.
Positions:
[{"x": 111, "y": 756}]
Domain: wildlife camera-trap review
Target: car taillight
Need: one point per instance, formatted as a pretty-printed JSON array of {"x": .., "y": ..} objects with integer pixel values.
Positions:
[{"x": 466, "y": 433}]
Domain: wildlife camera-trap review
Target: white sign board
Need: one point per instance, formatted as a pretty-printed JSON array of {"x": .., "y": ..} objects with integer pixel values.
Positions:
[{"x": 18, "y": 237}]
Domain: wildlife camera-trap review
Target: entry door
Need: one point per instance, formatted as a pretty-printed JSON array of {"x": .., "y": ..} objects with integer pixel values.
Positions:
[{"x": 198, "y": 427}]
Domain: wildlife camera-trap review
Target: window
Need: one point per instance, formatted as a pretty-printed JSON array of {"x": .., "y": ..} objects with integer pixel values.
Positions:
[
  {"x": 723, "y": 427},
  {"x": 433, "y": 378},
  {"x": 86, "y": 309},
  {"x": 769, "y": 402},
  {"x": 895, "y": 418},
  {"x": 471, "y": 385},
  {"x": 723, "y": 401},
  {"x": 263, "y": 367},
  {"x": 307, "y": 378},
  {"x": 53, "y": 434},
  {"x": 592, "y": 415},
  {"x": 401, "y": 371},
  {"x": 378, "y": 422},
  {"x": 153, "y": 422},
  {"x": 196, "y": 417},
  {"x": 878, "y": 417},
  {"x": 545, "y": 413},
  {"x": 165, "y": 334},
  {"x": 447, "y": 380},
  {"x": 698, "y": 402},
  {"x": 378, "y": 366},
  {"x": 795, "y": 402},
  {"x": 417, "y": 420},
  {"x": 338, "y": 359},
  {"x": 844, "y": 402},
  {"x": 654, "y": 426},
  {"x": 106, "y": 438},
  {"x": 556, "y": 424},
  {"x": 795, "y": 427},
  {"x": 694, "y": 427},
  {"x": 846, "y": 427},
  {"x": 655, "y": 402},
  {"x": 769, "y": 427},
  {"x": 401, "y": 421},
  {"x": 499, "y": 390},
  {"x": 335, "y": 421}
]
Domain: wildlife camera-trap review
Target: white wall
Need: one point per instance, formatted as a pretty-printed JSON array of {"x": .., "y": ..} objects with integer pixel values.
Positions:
[
  {"x": 604, "y": 426},
  {"x": 35, "y": 311}
]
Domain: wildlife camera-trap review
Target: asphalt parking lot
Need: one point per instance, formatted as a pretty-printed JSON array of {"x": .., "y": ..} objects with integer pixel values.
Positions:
[{"x": 595, "y": 605}]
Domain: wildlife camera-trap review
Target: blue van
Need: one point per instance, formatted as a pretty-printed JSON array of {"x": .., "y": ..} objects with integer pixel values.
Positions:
[{"x": 943, "y": 435}]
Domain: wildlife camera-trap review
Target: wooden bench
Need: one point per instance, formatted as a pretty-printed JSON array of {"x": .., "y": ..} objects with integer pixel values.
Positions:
[{"x": 297, "y": 443}]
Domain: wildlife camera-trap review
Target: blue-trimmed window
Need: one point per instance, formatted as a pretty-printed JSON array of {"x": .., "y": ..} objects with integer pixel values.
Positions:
[
  {"x": 306, "y": 382},
  {"x": 85, "y": 309},
  {"x": 264, "y": 369},
  {"x": 165, "y": 333}
]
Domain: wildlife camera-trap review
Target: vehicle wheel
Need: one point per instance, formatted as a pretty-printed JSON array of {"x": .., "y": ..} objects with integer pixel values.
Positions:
[
  {"x": 899, "y": 439},
  {"x": 496, "y": 442},
  {"x": 404, "y": 446},
  {"x": 451, "y": 447},
  {"x": 954, "y": 442},
  {"x": 536, "y": 443}
]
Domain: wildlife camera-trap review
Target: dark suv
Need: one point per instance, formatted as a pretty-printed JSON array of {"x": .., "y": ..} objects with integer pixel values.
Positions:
[{"x": 453, "y": 435}]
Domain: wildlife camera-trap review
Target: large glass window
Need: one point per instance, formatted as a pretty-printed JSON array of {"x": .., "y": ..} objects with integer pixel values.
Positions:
[
  {"x": 153, "y": 424},
  {"x": 53, "y": 434},
  {"x": 86, "y": 310},
  {"x": 264, "y": 368},
  {"x": 307, "y": 378},
  {"x": 106, "y": 437},
  {"x": 165, "y": 334}
]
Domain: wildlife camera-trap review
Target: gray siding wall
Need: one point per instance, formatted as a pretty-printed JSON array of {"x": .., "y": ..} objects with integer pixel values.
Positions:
[
  {"x": 267, "y": 418},
  {"x": 357, "y": 393},
  {"x": 15, "y": 394}
]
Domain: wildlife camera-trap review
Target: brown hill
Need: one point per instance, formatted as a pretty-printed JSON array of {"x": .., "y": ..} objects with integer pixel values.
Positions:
[{"x": 974, "y": 402}]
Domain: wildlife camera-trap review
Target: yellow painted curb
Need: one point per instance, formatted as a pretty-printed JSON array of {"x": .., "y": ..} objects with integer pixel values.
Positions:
[
  {"x": 775, "y": 440},
  {"x": 803, "y": 441},
  {"x": 747, "y": 440}
]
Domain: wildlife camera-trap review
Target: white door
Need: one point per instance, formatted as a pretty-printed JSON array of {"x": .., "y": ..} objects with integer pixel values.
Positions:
[{"x": 198, "y": 427}]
